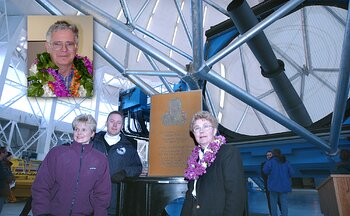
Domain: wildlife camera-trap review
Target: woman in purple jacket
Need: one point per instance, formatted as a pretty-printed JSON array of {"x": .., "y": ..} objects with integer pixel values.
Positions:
[
  {"x": 73, "y": 179},
  {"x": 279, "y": 183}
]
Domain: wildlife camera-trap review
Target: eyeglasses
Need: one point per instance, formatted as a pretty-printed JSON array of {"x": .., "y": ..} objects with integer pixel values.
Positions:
[
  {"x": 198, "y": 129},
  {"x": 58, "y": 45}
]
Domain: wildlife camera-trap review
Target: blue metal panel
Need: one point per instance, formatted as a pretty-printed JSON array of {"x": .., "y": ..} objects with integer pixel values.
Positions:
[
  {"x": 180, "y": 87},
  {"x": 133, "y": 99},
  {"x": 307, "y": 159},
  {"x": 219, "y": 41}
]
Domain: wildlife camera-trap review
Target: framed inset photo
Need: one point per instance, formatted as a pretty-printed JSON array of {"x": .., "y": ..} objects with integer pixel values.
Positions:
[{"x": 60, "y": 56}]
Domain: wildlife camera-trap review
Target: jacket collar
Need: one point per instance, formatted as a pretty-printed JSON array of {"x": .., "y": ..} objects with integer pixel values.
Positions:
[{"x": 77, "y": 145}]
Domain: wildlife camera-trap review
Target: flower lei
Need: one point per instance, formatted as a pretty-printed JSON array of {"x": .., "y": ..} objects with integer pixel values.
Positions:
[
  {"x": 45, "y": 81},
  {"x": 197, "y": 167}
]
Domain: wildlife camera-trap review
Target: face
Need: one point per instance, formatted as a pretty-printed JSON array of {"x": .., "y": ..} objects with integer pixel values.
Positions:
[
  {"x": 62, "y": 48},
  {"x": 203, "y": 132},
  {"x": 82, "y": 133},
  {"x": 268, "y": 155},
  {"x": 114, "y": 124}
]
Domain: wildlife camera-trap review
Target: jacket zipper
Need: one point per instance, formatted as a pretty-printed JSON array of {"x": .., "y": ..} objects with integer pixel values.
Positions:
[{"x": 77, "y": 183}]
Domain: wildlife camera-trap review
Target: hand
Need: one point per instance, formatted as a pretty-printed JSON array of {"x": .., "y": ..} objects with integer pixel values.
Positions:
[{"x": 118, "y": 176}]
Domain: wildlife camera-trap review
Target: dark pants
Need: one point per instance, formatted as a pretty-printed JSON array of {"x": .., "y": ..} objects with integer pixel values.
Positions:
[
  {"x": 114, "y": 205},
  {"x": 2, "y": 202}
]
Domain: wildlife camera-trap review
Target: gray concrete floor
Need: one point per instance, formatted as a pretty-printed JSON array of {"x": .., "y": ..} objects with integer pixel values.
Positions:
[
  {"x": 300, "y": 202},
  {"x": 14, "y": 209}
]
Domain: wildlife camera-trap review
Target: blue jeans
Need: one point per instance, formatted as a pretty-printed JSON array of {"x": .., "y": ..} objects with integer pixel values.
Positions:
[{"x": 282, "y": 197}]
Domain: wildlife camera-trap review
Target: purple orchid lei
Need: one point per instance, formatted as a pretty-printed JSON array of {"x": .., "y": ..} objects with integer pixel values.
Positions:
[
  {"x": 60, "y": 89},
  {"x": 45, "y": 81},
  {"x": 197, "y": 167},
  {"x": 87, "y": 63}
]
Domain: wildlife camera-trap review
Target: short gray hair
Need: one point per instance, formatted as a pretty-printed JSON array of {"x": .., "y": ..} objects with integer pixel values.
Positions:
[
  {"x": 62, "y": 25},
  {"x": 204, "y": 115},
  {"x": 85, "y": 118}
]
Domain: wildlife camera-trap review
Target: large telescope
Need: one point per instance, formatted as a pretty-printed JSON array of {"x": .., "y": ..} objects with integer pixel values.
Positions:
[{"x": 271, "y": 67}]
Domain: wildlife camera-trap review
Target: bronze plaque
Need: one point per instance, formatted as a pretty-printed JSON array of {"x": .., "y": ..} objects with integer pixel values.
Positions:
[{"x": 170, "y": 141}]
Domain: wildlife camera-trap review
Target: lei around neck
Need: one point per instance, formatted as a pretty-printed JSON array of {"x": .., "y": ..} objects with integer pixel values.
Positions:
[
  {"x": 197, "y": 167},
  {"x": 44, "y": 80}
]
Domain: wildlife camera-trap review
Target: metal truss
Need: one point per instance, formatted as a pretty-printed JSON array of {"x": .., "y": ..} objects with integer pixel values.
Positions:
[{"x": 197, "y": 68}]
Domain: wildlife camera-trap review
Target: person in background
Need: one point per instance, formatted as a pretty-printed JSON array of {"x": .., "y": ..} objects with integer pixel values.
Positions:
[
  {"x": 279, "y": 183},
  {"x": 216, "y": 183},
  {"x": 343, "y": 167},
  {"x": 73, "y": 179},
  {"x": 123, "y": 158},
  {"x": 62, "y": 72},
  {"x": 4, "y": 178},
  {"x": 265, "y": 177},
  {"x": 7, "y": 165}
]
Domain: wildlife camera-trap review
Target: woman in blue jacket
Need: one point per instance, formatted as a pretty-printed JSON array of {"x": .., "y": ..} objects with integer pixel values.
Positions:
[{"x": 279, "y": 182}]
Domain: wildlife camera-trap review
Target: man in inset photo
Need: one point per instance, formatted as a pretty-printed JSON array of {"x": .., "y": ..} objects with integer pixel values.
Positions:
[{"x": 60, "y": 71}]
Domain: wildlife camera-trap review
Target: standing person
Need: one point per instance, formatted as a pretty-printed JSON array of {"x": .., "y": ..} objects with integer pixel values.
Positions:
[
  {"x": 216, "y": 183},
  {"x": 122, "y": 155},
  {"x": 60, "y": 72},
  {"x": 4, "y": 178},
  {"x": 265, "y": 177},
  {"x": 73, "y": 179},
  {"x": 279, "y": 183},
  {"x": 7, "y": 165}
]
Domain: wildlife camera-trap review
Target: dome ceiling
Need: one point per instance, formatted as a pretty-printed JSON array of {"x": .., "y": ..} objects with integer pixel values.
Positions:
[{"x": 150, "y": 43}]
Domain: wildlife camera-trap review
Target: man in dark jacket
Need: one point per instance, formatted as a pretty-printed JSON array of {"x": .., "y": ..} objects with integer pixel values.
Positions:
[{"x": 122, "y": 155}]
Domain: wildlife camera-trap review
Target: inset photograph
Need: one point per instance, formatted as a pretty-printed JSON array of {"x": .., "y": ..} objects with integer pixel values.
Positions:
[{"x": 60, "y": 56}]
